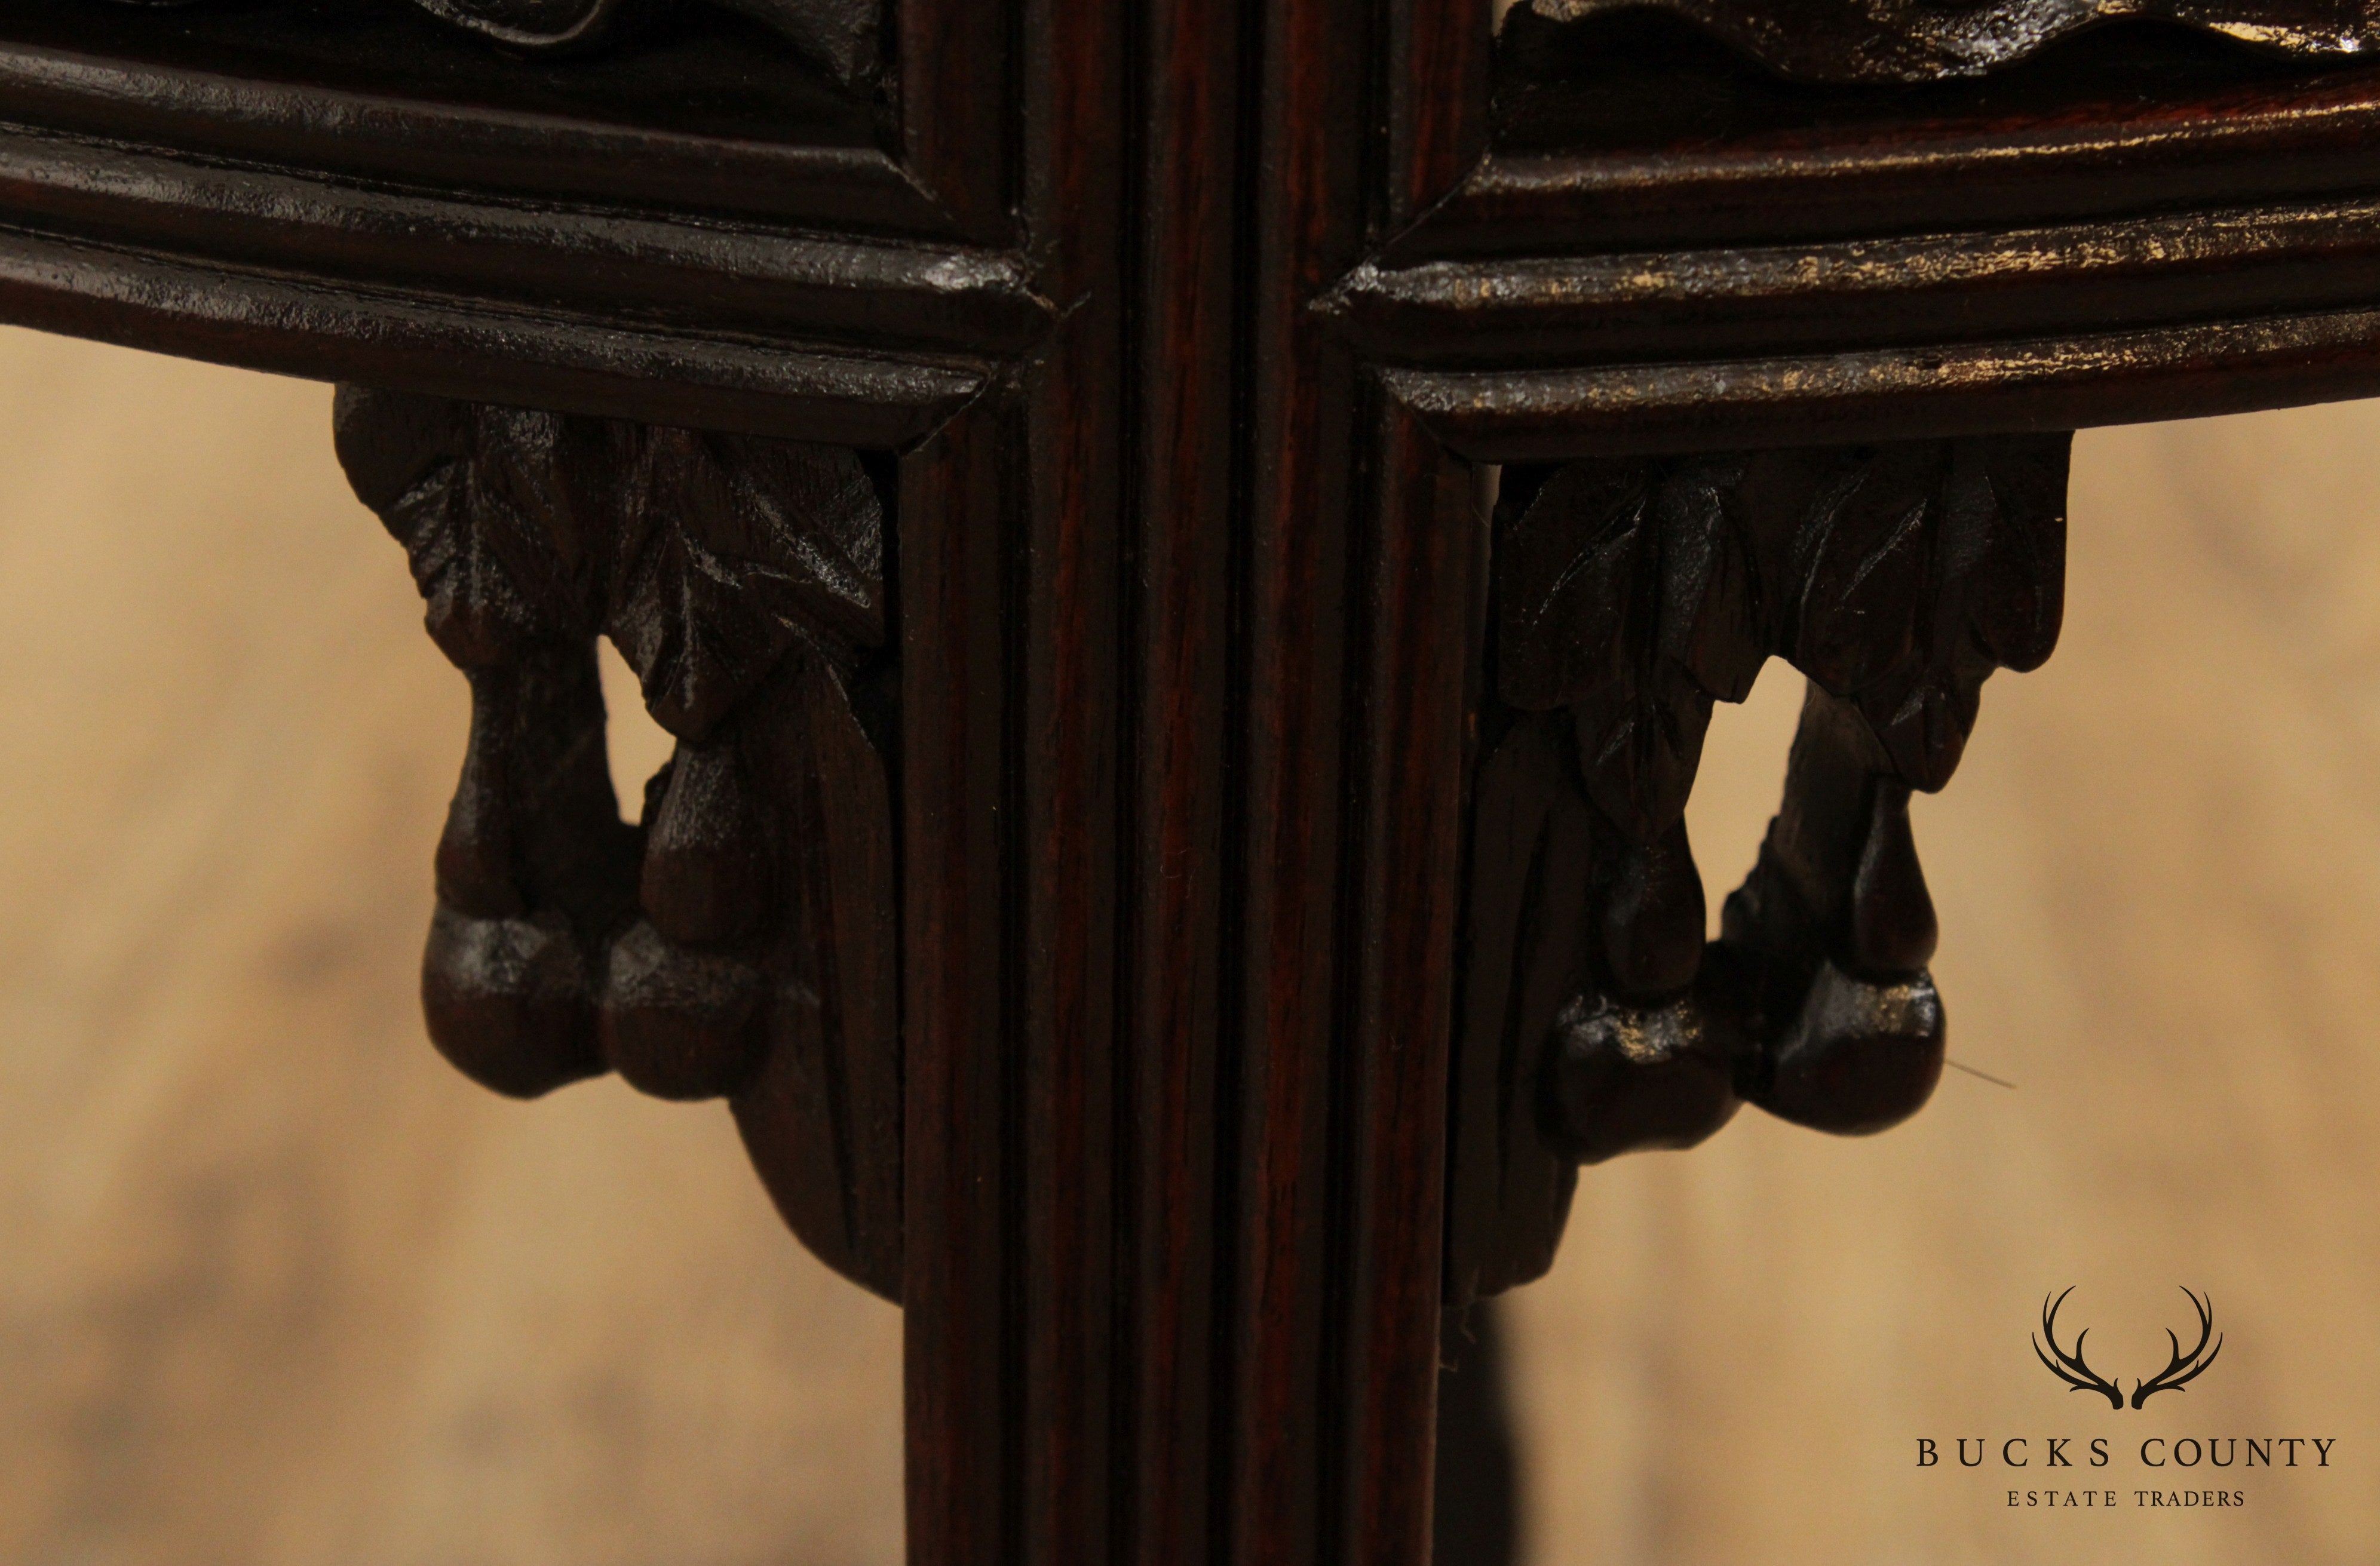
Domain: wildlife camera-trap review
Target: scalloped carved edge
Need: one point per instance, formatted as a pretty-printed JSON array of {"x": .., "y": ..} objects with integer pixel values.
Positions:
[{"x": 1908, "y": 41}]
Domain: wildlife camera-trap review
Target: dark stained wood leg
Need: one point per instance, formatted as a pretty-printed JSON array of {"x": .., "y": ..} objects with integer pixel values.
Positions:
[
  {"x": 1162, "y": 894},
  {"x": 742, "y": 940},
  {"x": 1477, "y": 1515},
  {"x": 1184, "y": 820}
]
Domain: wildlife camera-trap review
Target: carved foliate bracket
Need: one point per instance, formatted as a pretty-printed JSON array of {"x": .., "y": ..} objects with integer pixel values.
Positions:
[
  {"x": 739, "y": 941},
  {"x": 1629, "y": 595}
]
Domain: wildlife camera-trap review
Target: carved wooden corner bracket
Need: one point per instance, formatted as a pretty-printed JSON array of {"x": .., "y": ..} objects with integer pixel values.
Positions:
[
  {"x": 1630, "y": 594},
  {"x": 739, "y": 941}
]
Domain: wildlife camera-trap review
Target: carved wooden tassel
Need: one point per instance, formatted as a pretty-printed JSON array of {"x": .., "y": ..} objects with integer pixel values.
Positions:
[
  {"x": 1630, "y": 594},
  {"x": 680, "y": 1003},
  {"x": 531, "y": 877},
  {"x": 1829, "y": 937},
  {"x": 533, "y": 865},
  {"x": 1639, "y": 1060},
  {"x": 1616, "y": 547},
  {"x": 739, "y": 942},
  {"x": 1931, "y": 565}
]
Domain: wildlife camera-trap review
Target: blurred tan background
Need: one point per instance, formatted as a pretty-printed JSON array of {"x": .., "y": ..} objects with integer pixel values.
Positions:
[{"x": 277, "y": 1287}]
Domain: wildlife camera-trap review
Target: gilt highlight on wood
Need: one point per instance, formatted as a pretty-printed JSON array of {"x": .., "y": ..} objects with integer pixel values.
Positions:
[{"x": 1187, "y": 550}]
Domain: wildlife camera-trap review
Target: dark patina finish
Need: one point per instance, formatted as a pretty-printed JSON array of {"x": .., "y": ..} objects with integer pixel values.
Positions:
[{"x": 1172, "y": 865}]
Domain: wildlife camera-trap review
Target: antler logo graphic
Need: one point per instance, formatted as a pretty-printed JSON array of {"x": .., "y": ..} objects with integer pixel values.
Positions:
[
  {"x": 2078, "y": 1375},
  {"x": 2069, "y": 1367},
  {"x": 2184, "y": 1367}
]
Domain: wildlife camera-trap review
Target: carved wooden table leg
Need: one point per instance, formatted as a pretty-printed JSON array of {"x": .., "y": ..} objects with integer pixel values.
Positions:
[
  {"x": 1154, "y": 905},
  {"x": 1475, "y": 1515},
  {"x": 742, "y": 940}
]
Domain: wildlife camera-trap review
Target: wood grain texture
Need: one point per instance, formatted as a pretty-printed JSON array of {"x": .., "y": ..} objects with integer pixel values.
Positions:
[
  {"x": 278, "y": 1286},
  {"x": 959, "y": 1349},
  {"x": 1176, "y": 606}
]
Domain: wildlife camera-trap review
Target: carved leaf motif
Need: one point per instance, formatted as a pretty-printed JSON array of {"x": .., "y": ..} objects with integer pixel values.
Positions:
[
  {"x": 727, "y": 549},
  {"x": 1860, "y": 558},
  {"x": 2014, "y": 488},
  {"x": 1630, "y": 596},
  {"x": 1922, "y": 568},
  {"x": 477, "y": 498},
  {"x": 840, "y": 34},
  {"x": 1557, "y": 570},
  {"x": 1711, "y": 578}
]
